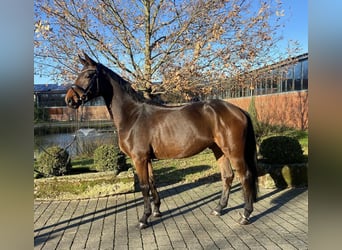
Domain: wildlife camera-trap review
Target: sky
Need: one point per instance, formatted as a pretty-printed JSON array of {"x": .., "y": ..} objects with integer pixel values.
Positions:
[
  {"x": 297, "y": 25},
  {"x": 296, "y": 28}
]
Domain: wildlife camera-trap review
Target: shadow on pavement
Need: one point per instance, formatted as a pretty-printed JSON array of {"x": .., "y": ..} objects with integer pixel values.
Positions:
[{"x": 174, "y": 189}]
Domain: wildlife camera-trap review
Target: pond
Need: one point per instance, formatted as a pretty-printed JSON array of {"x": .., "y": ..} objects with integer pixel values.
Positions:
[{"x": 84, "y": 141}]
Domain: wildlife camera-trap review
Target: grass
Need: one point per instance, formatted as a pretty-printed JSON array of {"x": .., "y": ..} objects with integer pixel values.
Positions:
[
  {"x": 201, "y": 167},
  {"x": 303, "y": 138},
  {"x": 86, "y": 185},
  {"x": 82, "y": 164}
]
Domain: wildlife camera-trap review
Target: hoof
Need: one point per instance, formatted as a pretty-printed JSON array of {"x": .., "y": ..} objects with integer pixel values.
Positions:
[
  {"x": 243, "y": 220},
  {"x": 216, "y": 213},
  {"x": 142, "y": 225},
  {"x": 157, "y": 214}
]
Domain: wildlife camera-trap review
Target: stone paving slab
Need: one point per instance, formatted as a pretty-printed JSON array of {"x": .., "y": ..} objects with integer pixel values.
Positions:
[{"x": 280, "y": 221}]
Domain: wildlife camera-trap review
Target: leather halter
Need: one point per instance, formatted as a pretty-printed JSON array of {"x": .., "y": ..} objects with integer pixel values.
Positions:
[
  {"x": 84, "y": 96},
  {"x": 74, "y": 88}
]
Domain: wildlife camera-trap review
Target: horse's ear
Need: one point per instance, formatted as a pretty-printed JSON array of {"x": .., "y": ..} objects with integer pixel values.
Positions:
[
  {"x": 84, "y": 62},
  {"x": 89, "y": 60}
]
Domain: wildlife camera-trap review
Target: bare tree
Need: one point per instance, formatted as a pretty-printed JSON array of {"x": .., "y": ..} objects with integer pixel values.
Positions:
[{"x": 188, "y": 46}]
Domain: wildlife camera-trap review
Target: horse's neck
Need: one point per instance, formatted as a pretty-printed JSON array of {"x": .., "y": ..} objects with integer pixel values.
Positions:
[{"x": 122, "y": 106}]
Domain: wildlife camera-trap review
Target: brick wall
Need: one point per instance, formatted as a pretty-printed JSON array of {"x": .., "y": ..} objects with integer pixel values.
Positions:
[
  {"x": 87, "y": 113},
  {"x": 290, "y": 109}
]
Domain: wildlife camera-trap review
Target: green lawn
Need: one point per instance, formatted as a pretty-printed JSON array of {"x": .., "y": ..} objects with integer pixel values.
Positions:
[{"x": 199, "y": 167}]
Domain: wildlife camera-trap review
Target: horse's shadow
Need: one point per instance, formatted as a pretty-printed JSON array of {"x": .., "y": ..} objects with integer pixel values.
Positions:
[
  {"x": 278, "y": 201},
  {"x": 170, "y": 175},
  {"x": 165, "y": 192},
  {"x": 195, "y": 203}
]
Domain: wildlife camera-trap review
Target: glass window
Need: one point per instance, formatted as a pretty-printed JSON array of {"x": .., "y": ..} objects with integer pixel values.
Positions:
[
  {"x": 298, "y": 70},
  {"x": 298, "y": 76},
  {"x": 269, "y": 85},
  {"x": 305, "y": 74},
  {"x": 289, "y": 81}
]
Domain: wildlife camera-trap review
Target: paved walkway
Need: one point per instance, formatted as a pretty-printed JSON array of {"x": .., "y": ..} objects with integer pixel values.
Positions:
[{"x": 280, "y": 221}]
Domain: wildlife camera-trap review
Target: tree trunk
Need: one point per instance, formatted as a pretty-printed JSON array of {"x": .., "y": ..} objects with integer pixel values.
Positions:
[{"x": 148, "y": 48}]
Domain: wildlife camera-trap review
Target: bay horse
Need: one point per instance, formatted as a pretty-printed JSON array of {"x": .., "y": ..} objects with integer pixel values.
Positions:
[{"x": 147, "y": 131}]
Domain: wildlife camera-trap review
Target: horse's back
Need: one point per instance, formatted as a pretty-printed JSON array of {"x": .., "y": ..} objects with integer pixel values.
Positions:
[{"x": 225, "y": 114}]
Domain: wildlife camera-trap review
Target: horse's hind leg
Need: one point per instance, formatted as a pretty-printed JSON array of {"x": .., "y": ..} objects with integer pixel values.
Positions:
[
  {"x": 240, "y": 165},
  {"x": 235, "y": 153},
  {"x": 155, "y": 195},
  {"x": 227, "y": 176}
]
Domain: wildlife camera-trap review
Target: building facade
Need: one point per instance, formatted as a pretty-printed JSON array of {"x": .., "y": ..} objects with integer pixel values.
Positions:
[
  {"x": 285, "y": 76},
  {"x": 281, "y": 92}
]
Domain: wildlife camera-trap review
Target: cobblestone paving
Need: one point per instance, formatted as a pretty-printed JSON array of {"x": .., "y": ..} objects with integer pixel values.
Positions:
[{"x": 279, "y": 221}]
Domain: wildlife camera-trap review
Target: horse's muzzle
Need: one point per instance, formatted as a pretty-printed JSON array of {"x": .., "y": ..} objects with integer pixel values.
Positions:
[
  {"x": 71, "y": 104},
  {"x": 72, "y": 100}
]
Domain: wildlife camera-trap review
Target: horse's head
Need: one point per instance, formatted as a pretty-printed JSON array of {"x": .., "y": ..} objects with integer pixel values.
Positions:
[{"x": 86, "y": 86}]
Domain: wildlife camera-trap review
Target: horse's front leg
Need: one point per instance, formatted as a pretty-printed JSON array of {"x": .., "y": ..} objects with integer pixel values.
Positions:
[
  {"x": 142, "y": 172},
  {"x": 156, "y": 198}
]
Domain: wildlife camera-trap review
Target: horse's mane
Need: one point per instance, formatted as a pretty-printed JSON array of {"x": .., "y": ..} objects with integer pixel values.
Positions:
[{"x": 126, "y": 86}]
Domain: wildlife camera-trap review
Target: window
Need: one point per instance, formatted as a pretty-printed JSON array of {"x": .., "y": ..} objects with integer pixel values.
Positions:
[
  {"x": 277, "y": 78},
  {"x": 305, "y": 73},
  {"x": 289, "y": 80},
  {"x": 298, "y": 84}
]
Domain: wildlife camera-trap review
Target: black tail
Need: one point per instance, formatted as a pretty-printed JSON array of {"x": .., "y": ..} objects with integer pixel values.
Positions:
[{"x": 251, "y": 157}]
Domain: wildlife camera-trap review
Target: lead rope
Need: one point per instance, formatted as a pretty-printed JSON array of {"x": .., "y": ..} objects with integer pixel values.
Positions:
[
  {"x": 78, "y": 120},
  {"x": 75, "y": 133}
]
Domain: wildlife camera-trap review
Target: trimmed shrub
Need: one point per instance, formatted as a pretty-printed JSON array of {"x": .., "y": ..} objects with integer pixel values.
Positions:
[
  {"x": 54, "y": 161},
  {"x": 109, "y": 158},
  {"x": 281, "y": 149}
]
